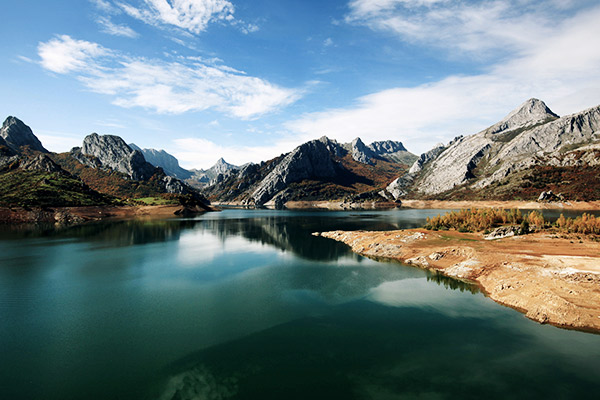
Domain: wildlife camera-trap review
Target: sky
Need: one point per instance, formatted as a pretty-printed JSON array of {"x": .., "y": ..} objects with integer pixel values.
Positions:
[{"x": 250, "y": 80}]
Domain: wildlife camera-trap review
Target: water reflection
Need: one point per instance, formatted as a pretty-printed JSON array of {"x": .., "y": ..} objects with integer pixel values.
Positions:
[
  {"x": 362, "y": 350},
  {"x": 451, "y": 283},
  {"x": 252, "y": 304}
]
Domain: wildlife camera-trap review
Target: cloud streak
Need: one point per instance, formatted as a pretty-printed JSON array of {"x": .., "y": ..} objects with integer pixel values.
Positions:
[
  {"x": 115, "y": 29},
  {"x": 470, "y": 27},
  {"x": 191, "y": 15},
  {"x": 171, "y": 87}
]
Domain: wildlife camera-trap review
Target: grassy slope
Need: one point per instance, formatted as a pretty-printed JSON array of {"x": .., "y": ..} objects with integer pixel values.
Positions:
[
  {"x": 40, "y": 188},
  {"x": 116, "y": 184}
]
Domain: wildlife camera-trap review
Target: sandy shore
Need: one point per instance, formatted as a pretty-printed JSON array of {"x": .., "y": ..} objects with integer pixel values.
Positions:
[
  {"x": 551, "y": 280},
  {"x": 67, "y": 215}
]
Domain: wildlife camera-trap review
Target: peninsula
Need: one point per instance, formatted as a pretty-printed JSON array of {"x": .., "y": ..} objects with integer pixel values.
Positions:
[{"x": 551, "y": 278}]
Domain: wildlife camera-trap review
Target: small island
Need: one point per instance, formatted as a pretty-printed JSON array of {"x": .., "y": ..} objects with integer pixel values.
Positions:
[{"x": 548, "y": 271}]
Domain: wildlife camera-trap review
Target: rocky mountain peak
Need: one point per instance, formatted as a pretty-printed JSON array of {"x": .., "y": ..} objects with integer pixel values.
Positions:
[
  {"x": 164, "y": 160},
  {"x": 387, "y": 147},
  {"x": 41, "y": 162},
  {"x": 222, "y": 166},
  {"x": 360, "y": 152},
  {"x": 114, "y": 153},
  {"x": 309, "y": 160},
  {"x": 333, "y": 146},
  {"x": 17, "y": 134},
  {"x": 530, "y": 113}
]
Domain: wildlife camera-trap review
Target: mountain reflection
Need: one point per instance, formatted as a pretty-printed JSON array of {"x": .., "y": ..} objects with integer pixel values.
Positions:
[
  {"x": 108, "y": 233},
  {"x": 288, "y": 234},
  {"x": 451, "y": 283},
  {"x": 287, "y": 231}
]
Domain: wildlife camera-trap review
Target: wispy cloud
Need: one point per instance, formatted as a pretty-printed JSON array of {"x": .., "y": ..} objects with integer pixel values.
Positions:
[
  {"x": 471, "y": 27},
  {"x": 115, "y": 29},
  {"x": 560, "y": 69},
  {"x": 164, "y": 86},
  {"x": 104, "y": 5},
  {"x": 190, "y": 15}
]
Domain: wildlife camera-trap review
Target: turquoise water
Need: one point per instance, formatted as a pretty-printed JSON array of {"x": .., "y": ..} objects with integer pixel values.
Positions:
[{"x": 247, "y": 304}]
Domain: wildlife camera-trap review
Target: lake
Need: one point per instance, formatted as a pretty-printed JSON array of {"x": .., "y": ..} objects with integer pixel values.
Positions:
[{"x": 246, "y": 304}]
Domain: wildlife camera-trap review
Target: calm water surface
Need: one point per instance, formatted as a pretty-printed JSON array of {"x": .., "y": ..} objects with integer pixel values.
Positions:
[{"x": 247, "y": 304}]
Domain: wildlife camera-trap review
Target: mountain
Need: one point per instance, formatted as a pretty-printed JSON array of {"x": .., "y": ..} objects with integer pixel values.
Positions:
[
  {"x": 160, "y": 158},
  {"x": 18, "y": 136},
  {"x": 204, "y": 177},
  {"x": 105, "y": 170},
  {"x": 319, "y": 169},
  {"x": 110, "y": 153},
  {"x": 30, "y": 177},
  {"x": 502, "y": 159}
]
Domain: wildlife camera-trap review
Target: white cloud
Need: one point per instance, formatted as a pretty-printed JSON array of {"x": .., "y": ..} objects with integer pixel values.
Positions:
[
  {"x": 166, "y": 87},
  {"x": 471, "y": 27},
  {"x": 561, "y": 70},
  {"x": 115, "y": 29},
  {"x": 190, "y": 15},
  {"x": 64, "y": 54},
  {"x": 203, "y": 153}
]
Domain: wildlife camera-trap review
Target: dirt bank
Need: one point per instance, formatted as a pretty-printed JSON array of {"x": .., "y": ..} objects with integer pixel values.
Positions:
[
  {"x": 549, "y": 279},
  {"x": 69, "y": 215},
  {"x": 530, "y": 205}
]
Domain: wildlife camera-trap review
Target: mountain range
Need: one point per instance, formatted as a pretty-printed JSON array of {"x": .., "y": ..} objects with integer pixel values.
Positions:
[
  {"x": 529, "y": 151},
  {"x": 104, "y": 170}
]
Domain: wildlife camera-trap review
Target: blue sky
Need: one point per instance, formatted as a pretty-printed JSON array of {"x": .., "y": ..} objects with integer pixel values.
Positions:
[{"x": 249, "y": 80}]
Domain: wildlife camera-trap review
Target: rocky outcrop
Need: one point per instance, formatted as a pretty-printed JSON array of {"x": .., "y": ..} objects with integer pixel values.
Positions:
[
  {"x": 361, "y": 153},
  {"x": 309, "y": 160},
  {"x": 426, "y": 158},
  {"x": 113, "y": 153},
  {"x": 164, "y": 160},
  {"x": 388, "y": 150},
  {"x": 502, "y": 232},
  {"x": 17, "y": 135},
  {"x": 41, "y": 162},
  {"x": 7, "y": 155},
  {"x": 550, "y": 196}
]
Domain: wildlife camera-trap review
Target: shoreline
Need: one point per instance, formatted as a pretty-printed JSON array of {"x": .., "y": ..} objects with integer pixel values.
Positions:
[
  {"x": 517, "y": 204},
  {"x": 426, "y": 204},
  {"x": 82, "y": 214},
  {"x": 549, "y": 279}
]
